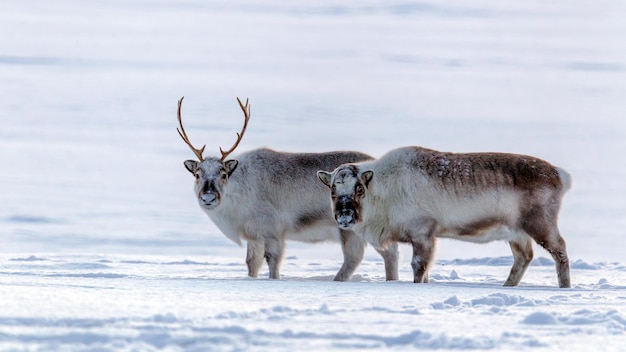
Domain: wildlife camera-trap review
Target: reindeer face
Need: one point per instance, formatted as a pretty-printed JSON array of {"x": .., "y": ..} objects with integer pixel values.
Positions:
[
  {"x": 211, "y": 177},
  {"x": 347, "y": 188}
]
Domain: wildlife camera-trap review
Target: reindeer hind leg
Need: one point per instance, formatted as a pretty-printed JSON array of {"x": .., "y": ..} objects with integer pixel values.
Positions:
[
  {"x": 522, "y": 255},
  {"x": 557, "y": 248},
  {"x": 540, "y": 224}
]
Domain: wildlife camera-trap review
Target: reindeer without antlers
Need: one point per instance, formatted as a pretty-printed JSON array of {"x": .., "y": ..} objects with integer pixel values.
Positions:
[
  {"x": 265, "y": 197},
  {"x": 416, "y": 195}
]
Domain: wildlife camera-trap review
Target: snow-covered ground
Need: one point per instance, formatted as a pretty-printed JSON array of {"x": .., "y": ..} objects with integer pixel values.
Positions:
[
  {"x": 103, "y": 247},
  {"x": 137, "y": 302}
]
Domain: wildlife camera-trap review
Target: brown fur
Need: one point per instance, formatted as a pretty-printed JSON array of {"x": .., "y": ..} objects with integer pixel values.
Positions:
[
  {"x": 473, "y": 228},
  {"x": 477, "y": 170}
]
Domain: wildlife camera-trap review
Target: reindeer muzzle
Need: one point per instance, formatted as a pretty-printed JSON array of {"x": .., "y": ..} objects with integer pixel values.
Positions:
[
  {"x": 345, "y": 221},
  {"x": 208, "y": 200},
  {"x": 345, "y": 213}
]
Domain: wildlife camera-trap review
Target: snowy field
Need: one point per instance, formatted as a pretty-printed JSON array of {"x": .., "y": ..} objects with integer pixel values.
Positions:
[
  {"x": 186, "y": 303},
  {"x": 103, "y": 246}
]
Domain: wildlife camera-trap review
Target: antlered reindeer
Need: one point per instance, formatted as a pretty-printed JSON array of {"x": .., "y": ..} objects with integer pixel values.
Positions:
[
  {"x": 266, "y": 197},
  {"x": 415, "y": 195}
]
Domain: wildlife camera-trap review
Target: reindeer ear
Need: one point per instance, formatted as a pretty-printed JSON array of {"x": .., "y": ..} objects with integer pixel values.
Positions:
[
  {"x": 230, "y": 166},
  {"x": 367, "y": 176},
  {"x": 191, "y": 165},
  {"x": 324, "y": 176}
]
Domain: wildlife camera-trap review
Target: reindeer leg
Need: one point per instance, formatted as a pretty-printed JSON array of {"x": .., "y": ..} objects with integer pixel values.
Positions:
[
  {"x": 557, "y": 248},
  {"x": 274, "y": 248},
  {"x": 555, "y": 245},
  {"x": 422, "y": 257},
  {"x": 540, "y": 224},
  {"x": 391, "y": 255},
  {"x": 522, "y": 255},
  {"x": 353, "y": 247},
  {"x": 254, "y": 257}
]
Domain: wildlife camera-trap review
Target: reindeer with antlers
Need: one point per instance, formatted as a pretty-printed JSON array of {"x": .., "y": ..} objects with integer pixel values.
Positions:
[{"x": 266, "y": 197}]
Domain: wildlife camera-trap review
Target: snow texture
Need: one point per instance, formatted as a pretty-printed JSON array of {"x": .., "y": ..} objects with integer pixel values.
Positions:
[
  {"x": 130, "y": 302},
  {"x": 103, "y": 247}
]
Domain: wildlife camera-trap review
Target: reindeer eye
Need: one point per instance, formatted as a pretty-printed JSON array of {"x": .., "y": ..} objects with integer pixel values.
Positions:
[
  {"x": 224, "y": 177},
  {"x": 197, "y": 176},
  {"x": 359, "y": 189}
]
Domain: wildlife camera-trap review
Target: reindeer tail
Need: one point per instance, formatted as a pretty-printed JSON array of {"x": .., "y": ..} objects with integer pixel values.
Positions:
[{"x": 566, "y": 179}]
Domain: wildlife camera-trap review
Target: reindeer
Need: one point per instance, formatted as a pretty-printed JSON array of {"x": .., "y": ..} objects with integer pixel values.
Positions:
[
  {"x": 266, "y": 197},
  {"x": 416, "y": 195}
]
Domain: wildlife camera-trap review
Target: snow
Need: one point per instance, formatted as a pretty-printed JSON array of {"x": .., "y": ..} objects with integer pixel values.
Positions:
[
  {"x": 130, "y": 302},
  {"x": 102, "y": 246}
]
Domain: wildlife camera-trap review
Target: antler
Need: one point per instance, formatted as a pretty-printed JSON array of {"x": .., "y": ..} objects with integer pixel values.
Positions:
[
  {"x": 246, "y": 113},
  {"x": 183, "y": 134}
]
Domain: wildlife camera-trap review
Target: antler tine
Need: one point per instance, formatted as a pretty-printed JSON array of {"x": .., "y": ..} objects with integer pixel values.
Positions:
[
  {"x": 183, "y": 134},
  {"x": 246, "y": 113}
]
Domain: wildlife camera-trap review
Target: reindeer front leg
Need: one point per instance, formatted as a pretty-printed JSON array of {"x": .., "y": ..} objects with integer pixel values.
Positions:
[
  {"x": 274, "y": 248},
  {"x": 423, "y": 253},
  {"x": 254, "y": 257},
  {"x": 391, "y": 255},
  {"x": 353, "y": 247}
]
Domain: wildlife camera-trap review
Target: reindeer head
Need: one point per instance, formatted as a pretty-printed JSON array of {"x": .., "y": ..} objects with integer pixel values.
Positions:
[
  {"x": 211, "y": 173},
  {"x": 348, "y": 184}
]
